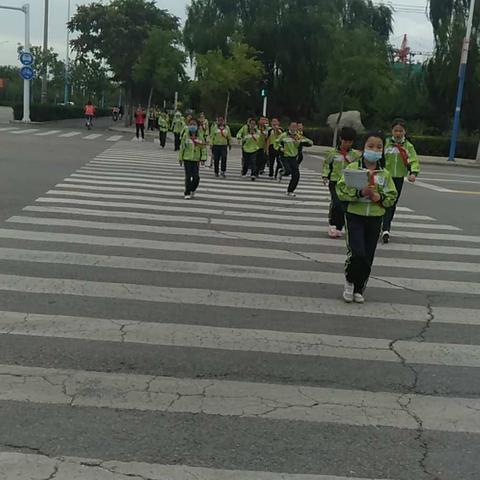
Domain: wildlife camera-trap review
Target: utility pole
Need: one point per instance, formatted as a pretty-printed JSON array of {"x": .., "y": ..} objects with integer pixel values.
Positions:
[
  {"x": 26, "y": 83},
  {"x": 461, "y": 83},
  {"x": 44, "y": 96},
  {"x": 67, "y": 60}
]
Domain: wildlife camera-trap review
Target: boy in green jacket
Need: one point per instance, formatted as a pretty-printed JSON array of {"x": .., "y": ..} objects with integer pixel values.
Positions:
[
  {"x": 335, "y": 162},
  {"x": 365, "y": 209},
  {"x": 401, "y": 161},
  {"x": 190, "y": 156},
  {"x": 289, "y": 144},
  {"x": 178, "y": 123},
  {"x": 249, "y": 136},
  {"x": 163, "y": 127},
  {"x": 221, "y": 141}
]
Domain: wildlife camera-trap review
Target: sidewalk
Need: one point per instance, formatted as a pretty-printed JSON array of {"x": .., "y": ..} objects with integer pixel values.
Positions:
[{"x": 320, "y": 150}]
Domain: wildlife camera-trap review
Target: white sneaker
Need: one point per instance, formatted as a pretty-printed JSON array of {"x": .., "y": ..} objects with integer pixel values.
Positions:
[
  {"x": 291, "y": 194},
  {"x": 358, "y": 298},
  {"x": 386, "y": 236},
  {"x": 188, "y": 197},
  {"x": 332, "y": 231},
  {"x": 348, "y": 292}
]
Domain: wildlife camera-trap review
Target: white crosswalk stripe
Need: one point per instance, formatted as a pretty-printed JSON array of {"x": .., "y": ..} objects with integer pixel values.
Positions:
[
  {"x": 69, "y": 134},
  {"x": 93, "y": 136},
  {"x": 47, "y": 133},
  {"x": 128, "y": 310}
]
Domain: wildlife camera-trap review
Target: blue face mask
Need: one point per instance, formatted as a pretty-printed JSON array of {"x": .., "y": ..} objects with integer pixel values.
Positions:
[
  {"x": 192, "y": 129},
  {"x": 372, "y": 156}
]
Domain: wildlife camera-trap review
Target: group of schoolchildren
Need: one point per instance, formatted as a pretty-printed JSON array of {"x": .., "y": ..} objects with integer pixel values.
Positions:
[
  {"x": 368, "y": 212},
  {"x": 262, "y": 146},
  {"x": 365, "y": 214}
]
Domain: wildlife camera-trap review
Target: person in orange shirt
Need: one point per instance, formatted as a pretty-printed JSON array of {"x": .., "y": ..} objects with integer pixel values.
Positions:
[
  {"x": 140, "y": 116},
  {"x": 89, "y": 113}
]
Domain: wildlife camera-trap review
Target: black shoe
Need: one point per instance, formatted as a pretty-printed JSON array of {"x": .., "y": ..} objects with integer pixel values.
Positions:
[
  {"x": 252, "y": 179},
  {"x": 385, "y": 237}
]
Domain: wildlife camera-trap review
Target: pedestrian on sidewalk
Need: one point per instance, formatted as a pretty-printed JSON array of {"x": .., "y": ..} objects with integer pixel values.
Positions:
[
  {"x": 364, "y": 212},
  {"x": 289, "y": 144},
  {"x": 221, "y": 140},
  {"x": 273, "y": 149},
  {"x": 163, "y": 128},
  {"x": 401, "y": 161},
  {"x": 177, "y": 127},
  {"x": 190, "y": 157},
  {"x": 335, "y": 162},
  {"x": 140, "y": 122},
  {"x": 249, "y": 136}
]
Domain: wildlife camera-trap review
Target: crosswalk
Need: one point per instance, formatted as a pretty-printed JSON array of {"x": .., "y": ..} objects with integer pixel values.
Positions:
[
  {"x": 149, "y": 337},
  {"x": 75, "y": 134}
]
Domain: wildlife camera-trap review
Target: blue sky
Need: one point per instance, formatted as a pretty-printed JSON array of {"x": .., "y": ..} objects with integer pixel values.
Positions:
[{"x": 11, "y": 25}]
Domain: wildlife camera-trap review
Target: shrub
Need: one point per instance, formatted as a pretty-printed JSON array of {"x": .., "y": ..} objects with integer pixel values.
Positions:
[
  {"x": 440, "y": 146},
  {"x": 46, "y": 113}
]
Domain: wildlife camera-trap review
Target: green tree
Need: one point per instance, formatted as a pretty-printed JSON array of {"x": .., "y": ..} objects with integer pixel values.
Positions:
[
  {"x": 219, "y": 75},
  {"x": 449, "y": 25},
  {"x": 359, "y": 74},
  {"x": 117, "y": 32},
  {"x": 161, "y": 66}
]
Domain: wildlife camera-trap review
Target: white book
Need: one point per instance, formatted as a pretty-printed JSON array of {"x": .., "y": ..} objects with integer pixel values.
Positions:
[{"x": 358, "y": 179}]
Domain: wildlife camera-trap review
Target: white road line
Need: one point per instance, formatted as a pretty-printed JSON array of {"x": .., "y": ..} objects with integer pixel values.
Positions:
[
  {"x": 238, "y": 339},
  {"x": 45, "y": 134},
  {"x": 235, "y": 271},
  {"x": 93, "y": 136},
  {"x": 114, "y": 138},
  {"x": 25, "y": 131},
  {"x": 178, "y": 183},
  {"x": 69, "y": 134},
  {"x": 256, "y": 237},
  {"x": 79, "y": 388},
  {"x": 192, "y": 232},
  {"x": 450, "y": 180},
  {"x": 435, "y": 188},
  {"x": 8, "y": 129},
  {"x": 23, "y": 466},
  {"x": 209, "y": 180},
  {"x": 213, "y": 298}
]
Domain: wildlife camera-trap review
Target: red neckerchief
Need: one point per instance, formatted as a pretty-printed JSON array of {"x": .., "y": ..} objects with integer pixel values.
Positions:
[
  {"x": 222, "y": 129},
  {"x": 344, "y": 154},
  {"x": 403, "y": 153},
  {"x": 253, "y": 136}
]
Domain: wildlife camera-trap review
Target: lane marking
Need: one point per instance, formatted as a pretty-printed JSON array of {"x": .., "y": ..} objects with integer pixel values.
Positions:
[
  {"x": 45, "y": 134},
  {"x": 69, "y": 134}
]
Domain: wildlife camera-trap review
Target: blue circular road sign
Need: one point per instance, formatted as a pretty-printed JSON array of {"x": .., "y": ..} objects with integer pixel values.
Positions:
[
  {"x": 27, "y": 73},
  {"x": 26, "y": 58}
]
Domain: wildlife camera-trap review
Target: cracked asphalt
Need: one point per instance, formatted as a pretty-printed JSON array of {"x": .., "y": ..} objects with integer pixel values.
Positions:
[{"x": 176, "y": 350}]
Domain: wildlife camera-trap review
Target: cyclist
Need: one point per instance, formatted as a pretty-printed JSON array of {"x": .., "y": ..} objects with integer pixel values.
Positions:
[{"x": 89, "y": 113}]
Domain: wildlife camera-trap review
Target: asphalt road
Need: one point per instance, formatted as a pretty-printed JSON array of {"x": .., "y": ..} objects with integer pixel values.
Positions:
[{"x": 149, "y": 337}]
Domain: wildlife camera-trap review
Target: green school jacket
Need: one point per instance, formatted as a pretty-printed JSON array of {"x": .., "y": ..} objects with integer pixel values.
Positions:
[
  {"x": 272, "y": 138},
  {"x": 290, "y": 145},
  {"x": 220, "y": 136},
  {"x": 250, "y": 140},
  {"x": 335, "y": 162},
  {"x": 190, "y": 151},
  {"x": 394, "y": 162},
  {"x": 364, "y": 206},
  {"x": 163, "y": 122},
  {"x": 178, "y": 123}
]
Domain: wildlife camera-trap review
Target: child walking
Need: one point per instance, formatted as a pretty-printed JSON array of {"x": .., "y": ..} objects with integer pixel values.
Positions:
[
  {"x": 401, "y": 161},
  {"x": 335, "y": 162},
  {"x": 365, "y": 210},
  {"x": 190, "y": 156},
  {"x": 221, "y": 140}
]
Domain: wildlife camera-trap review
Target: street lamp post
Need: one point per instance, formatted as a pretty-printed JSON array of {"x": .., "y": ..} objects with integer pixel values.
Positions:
[
  {"x": 44, "y": 96},
  {"x": 67, "y": 60},
  {"x": 26, "y": 83},
  {"x": 461, "y": 83}
]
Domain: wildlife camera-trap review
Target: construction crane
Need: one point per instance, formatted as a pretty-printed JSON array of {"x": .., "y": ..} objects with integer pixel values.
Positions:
[{"x": 405, "y": 54}]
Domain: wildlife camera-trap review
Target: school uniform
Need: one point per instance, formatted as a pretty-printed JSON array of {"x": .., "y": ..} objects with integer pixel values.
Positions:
[
  {"x": 221, "y": 140},
  {"x": 250, "y": 147},
  {"x": 363, "y": 222},
  {"x": 190, "y": 155},
  {"x": 401, "y": 160},
  {"x": 274, "y": 152},
  {"x": 163, "y": 128},
  {"x": 334, "y": 164},
  {"x": 289, "y": 145},
  {"x": 178, "y": 124}
]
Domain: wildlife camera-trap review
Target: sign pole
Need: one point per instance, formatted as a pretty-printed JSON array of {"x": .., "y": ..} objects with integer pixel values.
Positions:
[
  {"x": 265, "y": 103},
  {"x": 26, "y": 83}
]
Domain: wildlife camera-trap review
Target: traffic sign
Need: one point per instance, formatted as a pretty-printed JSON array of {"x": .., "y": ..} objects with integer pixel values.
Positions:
[
  {"x": 26, "y": 58},
  {"x": 27, "y": 73}
]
